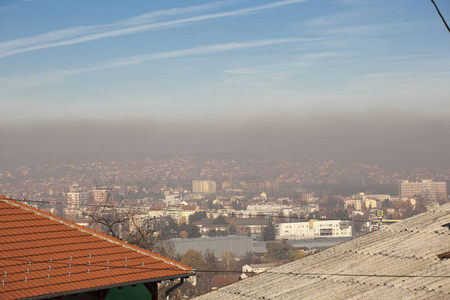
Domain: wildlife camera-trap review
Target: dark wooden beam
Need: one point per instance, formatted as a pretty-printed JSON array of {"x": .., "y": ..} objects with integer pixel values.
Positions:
[{"x": 152, "y": 287}]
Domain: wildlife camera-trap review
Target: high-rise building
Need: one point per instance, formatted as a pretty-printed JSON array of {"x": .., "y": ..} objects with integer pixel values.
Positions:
[
  {"x": 203, "y": 186},
  {"x": 74, "y": 199},
  {"x": 101, "y": 195},
  {"x": 425, "y": 188}
]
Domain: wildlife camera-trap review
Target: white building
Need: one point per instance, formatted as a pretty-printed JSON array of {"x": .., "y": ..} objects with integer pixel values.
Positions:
[
  {"x": 379, "y": 197},
  {"x": 313, "y": 229},
  {"x": 73, "y": 203},
  {"x": 370, "y": 203},
  {"x": 258, "y": 268},
  {"x": 173, "y": 199},
  {"x": 268, "y": 209},
  {"x": 362, "y": 202},
  {"x": 180, "y": 213},
  {"x": 75, "y": 199},
  {"x": 354, "y": 204}
]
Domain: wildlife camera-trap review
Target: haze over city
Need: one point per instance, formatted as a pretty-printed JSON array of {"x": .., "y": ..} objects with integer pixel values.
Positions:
[
  {"x": 175, "y": 149},
  {"x": 346, "y": 79}
]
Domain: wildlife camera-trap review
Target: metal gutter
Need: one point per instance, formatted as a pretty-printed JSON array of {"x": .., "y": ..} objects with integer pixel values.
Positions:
[{"x": 174, "y": 288}]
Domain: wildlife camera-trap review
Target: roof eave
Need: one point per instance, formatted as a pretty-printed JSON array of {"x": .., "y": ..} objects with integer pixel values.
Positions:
[{"x": 107, "y": 287}]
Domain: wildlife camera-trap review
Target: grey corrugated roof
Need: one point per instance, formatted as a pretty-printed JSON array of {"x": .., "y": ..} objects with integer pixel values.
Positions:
[
  {"x": 403, "y": 256},
  {"x": 207, "y": 239},
  {"x": 307, "y": 242},
  {"x": 318, "y": 244},
  {"x": 250, "y": 221},
  {"x": 238, "y": 245}
]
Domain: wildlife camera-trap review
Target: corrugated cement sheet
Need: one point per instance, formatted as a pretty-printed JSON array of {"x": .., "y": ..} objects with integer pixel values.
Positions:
[
  {"x": 236, "y": 244},
  {"x": 400, "y": 261}
]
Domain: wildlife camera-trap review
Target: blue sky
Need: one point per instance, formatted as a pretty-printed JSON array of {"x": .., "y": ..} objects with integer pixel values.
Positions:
[
  {"x": 87, "y": 77},
  {"x": 95, "y": 60}
]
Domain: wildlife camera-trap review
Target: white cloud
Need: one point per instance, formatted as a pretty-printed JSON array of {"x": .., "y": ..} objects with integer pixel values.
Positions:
[
  {"x": 9, "y": 84},
  {"x": 294, "y": 65},
  {"x": 373, "y": 29},
  {"x": 137, "y": 24},
  {"x": 332, "y": 19},
  {"x": 75, "y": 34},
  {"x": 151, "y": 16}
]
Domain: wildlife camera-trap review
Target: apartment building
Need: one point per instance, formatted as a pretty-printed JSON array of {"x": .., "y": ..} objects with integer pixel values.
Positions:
[
  {"x": 73, "y": 203},
  {"x": 426, "y": 188},
  {"x": 203, "y": 186},
  {"x": 101, "y": 195},
  {"x": 314, "y": 229}
]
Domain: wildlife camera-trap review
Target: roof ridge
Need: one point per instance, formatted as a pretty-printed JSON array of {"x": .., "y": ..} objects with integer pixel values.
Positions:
[{"x": 94, "y": 233}]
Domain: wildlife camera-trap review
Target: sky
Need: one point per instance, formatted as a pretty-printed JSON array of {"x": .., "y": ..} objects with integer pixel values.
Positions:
[{"x": 100, "y": 78}]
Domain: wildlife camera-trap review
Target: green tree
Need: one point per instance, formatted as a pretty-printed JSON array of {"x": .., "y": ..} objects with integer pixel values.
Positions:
[
  {"x": 386, "y": 203},
  {"x": 421, "y": 205},
  {"x": 193, "y": 259},
  {"x": 299, "y": 254},
  {"x": 407, "y": 209},
  {"x": 228, "y": 263},
  {"x": 269, "y": 232},
  {"x": 212, "y": 232},
  {"x": 211, "y": 260},
  {"x": 250, "y": 258},
  {"x": 247, "y": 231},
  {"x": 333, "y": 202},
  {"x": 342, "y": 214},
  {"x": 170, "y": 231},
  {"x": 279, "y": 251},
  {"x": 192, "y": 230},
  {"x": 236, "y": 205},
  {"x": 219, "y": 221},
  {"x": 197, "y": 216},
  {"x": 232, "y": 229}
]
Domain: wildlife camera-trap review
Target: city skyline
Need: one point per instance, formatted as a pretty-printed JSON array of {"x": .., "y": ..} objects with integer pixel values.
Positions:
[{"x": 265, "y": 130}]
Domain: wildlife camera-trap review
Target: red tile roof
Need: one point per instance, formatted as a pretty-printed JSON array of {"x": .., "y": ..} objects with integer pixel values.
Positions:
[
  {"x": 156, "y": 207},
  {"x": 41, "y": 254},
  {"x": 219, "y": 281},
  {"x": 189, "y": 207}
]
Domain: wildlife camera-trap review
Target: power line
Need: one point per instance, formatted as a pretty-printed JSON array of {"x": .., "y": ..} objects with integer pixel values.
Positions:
[
  {"x": 442, "y": 17},
  {"x": 106, "y": 265}
]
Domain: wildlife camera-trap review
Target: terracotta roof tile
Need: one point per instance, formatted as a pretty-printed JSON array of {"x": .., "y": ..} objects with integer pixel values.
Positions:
[
  {"x": 219, "y": 281},
  {"x": 189, "y": 207},
  {"x": 41, "y": 254}
]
